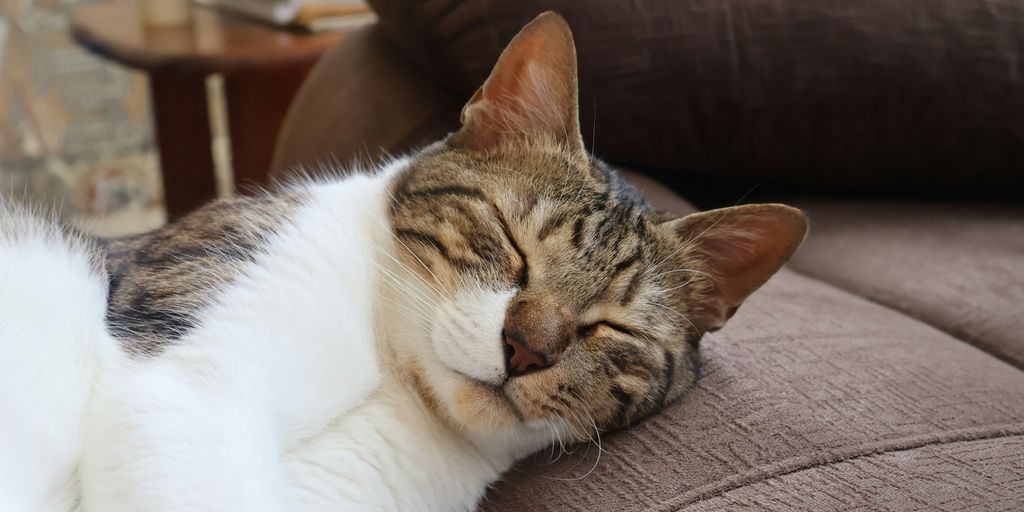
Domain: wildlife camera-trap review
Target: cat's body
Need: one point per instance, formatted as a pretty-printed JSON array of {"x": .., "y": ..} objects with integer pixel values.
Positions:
[
  {"x": 391, "y": 340},
  {"x": 283, "y": 394}
]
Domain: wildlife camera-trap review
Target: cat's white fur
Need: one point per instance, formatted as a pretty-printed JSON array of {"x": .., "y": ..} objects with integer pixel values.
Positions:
[
  {"x": 458, "y": 331},
  {"x": 285, "y": 396},
  {"x": 52, "y": 304}
]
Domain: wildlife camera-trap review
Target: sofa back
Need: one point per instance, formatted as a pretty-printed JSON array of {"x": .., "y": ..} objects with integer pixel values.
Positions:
[{"x": 867, "y": 94}]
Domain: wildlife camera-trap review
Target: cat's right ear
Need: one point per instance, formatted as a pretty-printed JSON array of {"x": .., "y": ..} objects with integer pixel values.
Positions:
[
  {"x": 531, "y": 91},
  {"x": 735, "y": 250}
]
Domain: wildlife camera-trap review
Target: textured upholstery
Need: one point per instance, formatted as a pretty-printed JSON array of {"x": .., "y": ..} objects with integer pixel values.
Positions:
[
  {"x": 850, "y": 382},
  {"x": 959, "y": 267},
  {"x": 879, "y": 94},
  {"x": 982, "y": 474}
]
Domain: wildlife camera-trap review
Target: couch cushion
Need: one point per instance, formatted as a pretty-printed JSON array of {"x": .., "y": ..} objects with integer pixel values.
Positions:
[
  {"x": 957, "y": 267},
  {"x": 983, "y": 474},
  {"x": 870, "y": 94},
  {"x": 804, "y": 375}
]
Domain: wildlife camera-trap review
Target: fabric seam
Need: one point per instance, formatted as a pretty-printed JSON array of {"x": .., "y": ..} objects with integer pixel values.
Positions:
[
  {"x": 794, "y": 465},
  {"x": 961, "y": 337}
]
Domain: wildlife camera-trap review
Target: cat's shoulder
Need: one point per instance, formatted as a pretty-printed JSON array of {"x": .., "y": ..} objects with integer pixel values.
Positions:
[
  {"x": 159, "y": 281},
  {"x": 234, "y": 224}
]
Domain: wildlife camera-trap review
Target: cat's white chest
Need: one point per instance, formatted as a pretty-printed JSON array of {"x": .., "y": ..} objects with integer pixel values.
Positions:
[
  {"x": 282, "y": 354},
  {"x": 297, "y": 330}
]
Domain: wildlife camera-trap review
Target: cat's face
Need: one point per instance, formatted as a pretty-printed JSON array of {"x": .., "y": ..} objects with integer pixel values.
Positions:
[{"x": 557, "y": 295}]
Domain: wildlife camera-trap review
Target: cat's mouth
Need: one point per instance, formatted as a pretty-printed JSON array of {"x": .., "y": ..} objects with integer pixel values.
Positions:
[
  {"x": 504, "y": 388},
  {"x": 481, "y": 406},
  {"x": 501, "y": 389},
  {"x": 478, "y": 382}
]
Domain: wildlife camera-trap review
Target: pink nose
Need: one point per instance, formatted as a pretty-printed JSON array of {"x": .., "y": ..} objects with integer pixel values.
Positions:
[{"x": 520, "y": 360}]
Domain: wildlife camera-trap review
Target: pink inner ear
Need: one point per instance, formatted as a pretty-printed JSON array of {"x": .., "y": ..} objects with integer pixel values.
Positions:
[
  {"x": 532, "y": 89},
  {"x": 741, "y": 247},
  {"x": 746, "y": 253},
  {"x": 507, "y": 79}
]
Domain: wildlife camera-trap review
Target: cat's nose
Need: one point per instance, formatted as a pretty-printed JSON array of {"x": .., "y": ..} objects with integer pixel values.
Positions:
[
  {"x": 536, "y": 332},
  {"x": 520, "y": 359}
]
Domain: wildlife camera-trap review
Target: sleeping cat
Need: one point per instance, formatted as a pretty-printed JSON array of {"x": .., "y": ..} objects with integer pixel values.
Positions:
[{"x": 391, "y": 340}]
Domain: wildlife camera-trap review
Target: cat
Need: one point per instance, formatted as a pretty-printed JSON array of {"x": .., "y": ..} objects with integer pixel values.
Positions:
[{"x": 391, "y": 340}]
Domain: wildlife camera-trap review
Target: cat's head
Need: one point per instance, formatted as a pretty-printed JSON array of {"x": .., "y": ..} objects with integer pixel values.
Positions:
[{"x": 559, "y": 296}]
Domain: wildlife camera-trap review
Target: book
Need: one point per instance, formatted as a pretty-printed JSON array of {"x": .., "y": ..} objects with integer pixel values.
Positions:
[{"x": 311, "y": 15}]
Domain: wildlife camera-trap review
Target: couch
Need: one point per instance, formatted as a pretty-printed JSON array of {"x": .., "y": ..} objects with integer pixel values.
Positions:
[{"x": 883, "y": 369}]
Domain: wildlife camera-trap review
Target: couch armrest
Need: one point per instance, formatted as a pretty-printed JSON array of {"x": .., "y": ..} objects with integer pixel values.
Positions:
[{"x": 363, "y": 99}]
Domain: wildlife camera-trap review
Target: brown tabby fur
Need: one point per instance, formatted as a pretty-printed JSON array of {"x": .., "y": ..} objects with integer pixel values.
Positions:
[
  {"x": 558, "y": 224},
  {"x": 160, "y": 281}
]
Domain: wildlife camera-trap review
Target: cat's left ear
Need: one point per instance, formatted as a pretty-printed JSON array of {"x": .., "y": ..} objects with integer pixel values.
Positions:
[
  {"x": 736, "y": 250},
  {"x": 531, "y": 90}
]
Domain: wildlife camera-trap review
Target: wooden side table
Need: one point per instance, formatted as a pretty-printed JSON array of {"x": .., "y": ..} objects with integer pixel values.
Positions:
[{"x": 262, "y": 68}]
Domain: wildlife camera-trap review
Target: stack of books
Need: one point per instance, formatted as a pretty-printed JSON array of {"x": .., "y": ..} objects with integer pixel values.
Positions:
[{"x": 312, "y": 15}]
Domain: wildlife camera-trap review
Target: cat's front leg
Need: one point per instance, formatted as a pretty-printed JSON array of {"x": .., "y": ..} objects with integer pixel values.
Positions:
[{"x": 174, "y": 437}]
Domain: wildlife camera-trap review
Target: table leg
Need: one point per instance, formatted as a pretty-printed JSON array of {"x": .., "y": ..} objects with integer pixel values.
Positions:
[
  {"x": 257, "y": 101},
  {"x": 183, "y": 138}
]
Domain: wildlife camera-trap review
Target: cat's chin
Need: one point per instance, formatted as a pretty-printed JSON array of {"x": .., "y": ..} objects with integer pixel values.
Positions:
[
  {"x": 488, "y": 417},
  {"x": 487, "y": 408},
  {"x": 462, "y": 401},
  {"x": 482, "y": 407}
]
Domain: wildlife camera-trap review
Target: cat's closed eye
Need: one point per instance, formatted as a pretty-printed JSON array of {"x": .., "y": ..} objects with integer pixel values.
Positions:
[
  {"x": 523, "y": 277},
  {"x": 587, "y": 330},
  {"x": 523, "y": 274}
]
